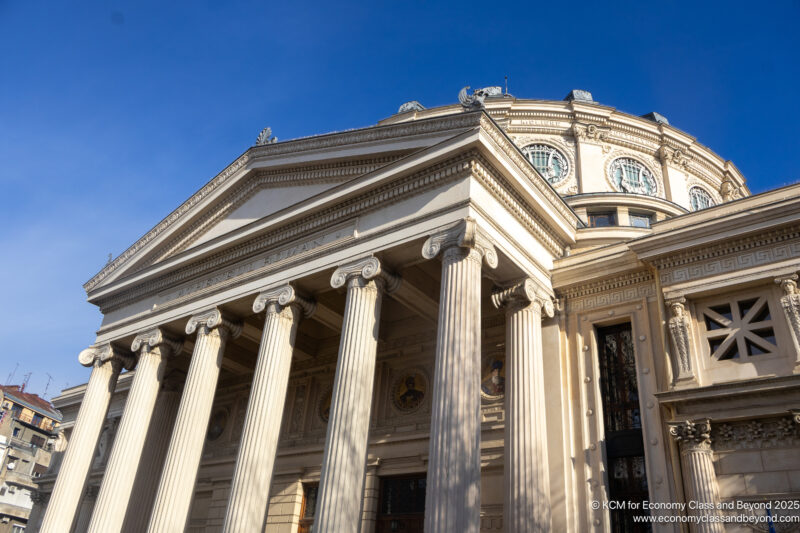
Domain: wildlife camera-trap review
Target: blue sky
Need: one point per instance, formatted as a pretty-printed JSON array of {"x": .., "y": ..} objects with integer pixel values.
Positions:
[{"x": 113, "y": 113}]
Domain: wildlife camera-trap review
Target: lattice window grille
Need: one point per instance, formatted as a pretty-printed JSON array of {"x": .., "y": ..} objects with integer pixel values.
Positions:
[{"x": 739, "y": 328}]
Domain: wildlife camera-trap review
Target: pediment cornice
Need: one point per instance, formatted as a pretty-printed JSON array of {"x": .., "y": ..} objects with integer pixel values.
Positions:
[{"x": 256, "y": 154}]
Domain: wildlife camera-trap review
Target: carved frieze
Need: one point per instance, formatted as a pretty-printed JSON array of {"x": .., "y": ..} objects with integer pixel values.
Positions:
[
  {"x": 774, "y": 432},
  {"x": 611, "y": 291}
]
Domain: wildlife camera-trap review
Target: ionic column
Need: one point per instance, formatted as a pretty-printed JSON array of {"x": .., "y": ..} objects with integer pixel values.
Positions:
[
  {"x": 790, "y": 302},
  {"x": 344, "y": 460},
  {"x": 247, "y": 506},
  {"x": 176, "y": 488},
  {"x": 107, "y": 362},
  {"x": 144, "y": 489},
  {"x": 527, "y": 479},
  {"x": 697, "y": 465},
  {"x": 681, "y": 342},
  {"x": 452, "y": 500},
  {"x": 153, "y": 348},
  {"x": 85, "y": 509}
]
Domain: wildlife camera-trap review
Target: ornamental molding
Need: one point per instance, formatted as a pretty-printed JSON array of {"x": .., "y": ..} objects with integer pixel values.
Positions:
[
  {"x": 371, "y": 134},
  {"x": 258, "y": 181},
  {"x": 761, "y": 433},
  {"x": 590, "y": 132},
  {"x": 365, "y": 269},
  {"x": 649, "y": 162},
  {"x": 504, "y": 192},
  {"x": 278, "y": 298},
  {"x": 523, "y": 294},
  {"x": 692, "y": 436},
  {"x": 465, "y": 234},
  {"x": 100, "y": 354},
  {"x": 679, "y": 327},
  {"x": 213, "y": 319},
  {"x": 152, "y": 338},
  {"x": 674, "y": 156},
  {"x": 616, "y": 290},
  {"x": 380, "y": 197},
  {"x": 730, "y": 256},
  {"x": 514, "y": 153}
]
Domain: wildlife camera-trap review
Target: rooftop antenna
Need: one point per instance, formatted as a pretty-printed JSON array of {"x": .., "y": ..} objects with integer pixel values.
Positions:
[
  {"x": 11, "y": 375},
  {"x": 25, "y": 381},
  {"x": 506, "y": 84},
  {"x": 49, "y": 379}
]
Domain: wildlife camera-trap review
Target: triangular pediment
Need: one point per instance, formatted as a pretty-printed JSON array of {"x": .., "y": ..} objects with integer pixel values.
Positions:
[{"x": 267, "y": 180}]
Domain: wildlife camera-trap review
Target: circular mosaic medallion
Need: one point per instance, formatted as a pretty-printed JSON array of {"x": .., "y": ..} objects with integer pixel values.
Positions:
[
  {"x": 493, "y": 377},
  {"x": 408, "y": 391},
  {"x": 219, "y": 419}
]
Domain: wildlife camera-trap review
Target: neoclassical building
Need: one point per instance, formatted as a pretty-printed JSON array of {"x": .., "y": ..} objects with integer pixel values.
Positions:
[{"x": 500, "y": 315}]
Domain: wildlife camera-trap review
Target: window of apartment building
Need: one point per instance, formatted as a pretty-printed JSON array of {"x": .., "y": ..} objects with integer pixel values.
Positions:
[
  {"x": 308, "y": 507},
  {"x": 738, "y": 327},
  {"x": 401, "y": 504},
  {"x": 602, "y": 219},
  {"x": 640, "y": 220},
  {"x": 17, "y": 528},
  {"x": 38, "y": 440},
  {"x": 627, "y": 479},
  {"x": 16, "y": 410},
  {"x": 37, "y": 419},
  {"x": 16, "y": 432}
]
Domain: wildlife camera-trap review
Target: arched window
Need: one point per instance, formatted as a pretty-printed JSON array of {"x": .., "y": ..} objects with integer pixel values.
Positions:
[{"x": 700, "y": 199}]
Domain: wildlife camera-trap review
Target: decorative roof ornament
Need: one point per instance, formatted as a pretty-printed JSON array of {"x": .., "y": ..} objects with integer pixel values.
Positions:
[
  {"x": 265, "y": 137},
  {"x": 413, "y": 105},
  {"x": 475, "y": 100}
]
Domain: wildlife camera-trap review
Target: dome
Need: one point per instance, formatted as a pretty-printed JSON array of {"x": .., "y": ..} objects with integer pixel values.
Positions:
[{"x": 613, "y": 168}]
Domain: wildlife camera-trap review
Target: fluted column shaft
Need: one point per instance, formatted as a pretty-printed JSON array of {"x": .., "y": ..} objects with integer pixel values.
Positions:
[
  {"x": 452, "y": 500},
  {"x": 115, "y": 491},
  {"x": 342, "y": 477},
  {"x": 247, "y": 506},
  {"x": 71, "y": 479},
  {"x": 157, "y": 443},
  {"x": 176, "y": 488},
  {"x": 527, "y": 479},
  {"x": 697, "y": 465}
]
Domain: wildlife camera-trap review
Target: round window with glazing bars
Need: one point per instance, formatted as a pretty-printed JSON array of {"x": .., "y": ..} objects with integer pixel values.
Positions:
[
  {"x": 550, "y": 162},
  {"x": 700, "y": 199},
  {"x": 632, "y": 176}
]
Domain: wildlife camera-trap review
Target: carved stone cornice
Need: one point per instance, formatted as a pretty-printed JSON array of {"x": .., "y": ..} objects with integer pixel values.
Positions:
[
  {"x": 367, "y": 268},
  {"x": 212, "y": 319},
  {"x": 100, "y": 354},
  {"x": 610, "y": 291},
  {"x": 445, "y": 172},
  {"x": 156, "y": 337},
  {"x": 523, "y": 294},
  {"x": 679, "y": 330},
  {"x": 758, "y": 433},
  {"x": 674, "y": 156},
  {"x": 369, "y": 134},
  {"x": 590, "y": 132},
  {"x": 281, "y": 297},
  {"x": 464, "y": 234},
  {"x": 692, "y": 436}
]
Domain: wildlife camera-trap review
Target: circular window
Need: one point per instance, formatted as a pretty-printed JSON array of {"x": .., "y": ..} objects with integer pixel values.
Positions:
[
  {"x": 700, "y": 199},
  {"x": 551, "y": 163},
  {"x": 629, "y": 175}
]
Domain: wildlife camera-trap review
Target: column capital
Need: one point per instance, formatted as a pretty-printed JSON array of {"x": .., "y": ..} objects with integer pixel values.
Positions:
[
  {"x": 524, "y": 293},
  {"x": 284, "y": 296},
  {"x": 368, "y": 268},
  {"x": 101, "y": 353},
  {"x": 676, "y": 305},
  {"x": 152, "y": 338},
  {"x": 795, "y": 415},
  {"x": 464, "y": 234},
  {"x": 214, "y": 318},
  {"x": 788, "y": 283},
  {"x": 692, "y": 435}
]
